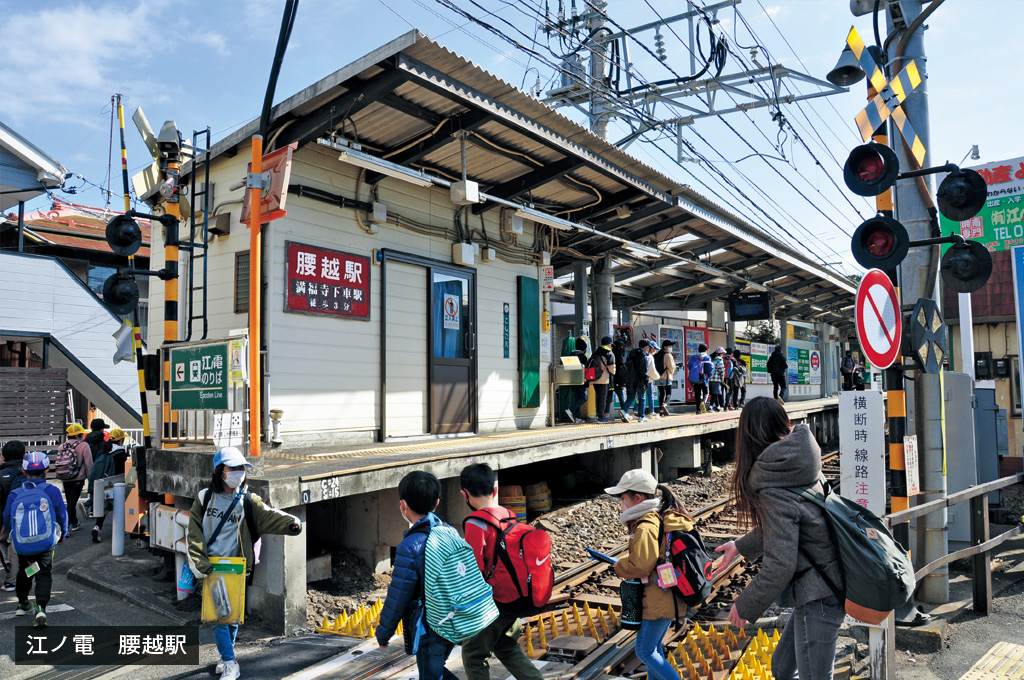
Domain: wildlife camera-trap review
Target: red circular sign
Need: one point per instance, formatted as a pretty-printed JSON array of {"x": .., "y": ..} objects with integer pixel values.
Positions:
[
  {"x": 814, "y": 360},
  {"x": 451, "y": 307},
  {"x": 879, "y": 320}
]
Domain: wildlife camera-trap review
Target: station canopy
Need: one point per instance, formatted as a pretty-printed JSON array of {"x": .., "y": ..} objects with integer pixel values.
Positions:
[{"x": 671, "y": 248}]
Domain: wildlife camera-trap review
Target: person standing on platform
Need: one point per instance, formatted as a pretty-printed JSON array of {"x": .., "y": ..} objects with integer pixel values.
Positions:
[
  {"x": 848, "y": 368},
  {"x": 698, "y": 369},
  {"x": 665, "y": 364},
  {"x": 716, "y": 380},
  {"x": 604, "y": 359},
  {"x": 636, "y": 381},
  {"x": 619, "y": 350},
  {"x": 579, "y": 392},
  {"x": 109, "y": 464},
  {"x": 778, "y": 369},
  {"x": 738, "y": 381},
  {"x": 792, "y": 535}
]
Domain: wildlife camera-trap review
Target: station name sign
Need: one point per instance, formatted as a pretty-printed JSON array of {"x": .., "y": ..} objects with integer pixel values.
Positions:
[{"x": 327, "y": 282}]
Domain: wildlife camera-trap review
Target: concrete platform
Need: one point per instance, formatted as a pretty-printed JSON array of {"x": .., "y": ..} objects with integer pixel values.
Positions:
[{"x": 291, "y": 477}]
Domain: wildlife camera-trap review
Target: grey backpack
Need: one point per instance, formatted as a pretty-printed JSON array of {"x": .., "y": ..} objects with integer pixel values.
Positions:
[{"x": 877, "y": 573}]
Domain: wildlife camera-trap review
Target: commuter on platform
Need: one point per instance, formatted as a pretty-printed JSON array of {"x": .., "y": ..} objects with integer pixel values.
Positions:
[
  {"x": 218, "y": 526},
  {"x": 698, "y": 368},
  {"x": 109, "y": 464},
  {"x": 727, "y": 380},
  {"x": 648, "y": 520},
  {"x": 848, "y": 368},
  {"x": 778, "y": 369},
  {"x": 665, "y": 365},
  {"x": 579, "y": 392},
  {"x": 652, "y": 378},
  {"x": 619, "y": 390},
  {"x": 792, "y": 535},
  {"x": 11, "y": 477},
  {"x": 738, "y": 380},
  {"x": 716, "y": 380},
  {"x": 636, "y": 381},
  {"x": 605, "y": 360}
]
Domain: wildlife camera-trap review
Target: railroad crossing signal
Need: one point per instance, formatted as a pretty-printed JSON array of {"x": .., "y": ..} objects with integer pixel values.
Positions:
[
  {"x": 891, "y": 95},
  {"x": 928, "y": 336},
  {"x": 880, "y": 242}
]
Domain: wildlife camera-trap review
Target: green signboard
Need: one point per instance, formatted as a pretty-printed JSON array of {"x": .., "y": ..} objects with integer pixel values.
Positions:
[
  {"x": 1000, "y": 223},
  {"x": 199, "y": 377},
  {"x": 759, "y": 363},
  {"x": 803, "y": 367}
]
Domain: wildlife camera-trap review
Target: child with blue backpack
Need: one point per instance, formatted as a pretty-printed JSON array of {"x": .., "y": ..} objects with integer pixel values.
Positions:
[
  {"x": 434, "y": 570},
  {"x": 37, "y": 519}
]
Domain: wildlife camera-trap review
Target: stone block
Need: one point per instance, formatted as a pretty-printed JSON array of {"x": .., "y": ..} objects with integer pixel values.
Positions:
[{"x": 318, "y": 568}]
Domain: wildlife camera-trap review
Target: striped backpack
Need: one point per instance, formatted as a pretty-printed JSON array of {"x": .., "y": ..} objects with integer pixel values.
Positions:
[{"x": 457, "y": 601}]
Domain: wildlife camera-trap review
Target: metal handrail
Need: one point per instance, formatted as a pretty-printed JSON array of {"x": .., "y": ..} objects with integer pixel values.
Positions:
[{"x": 953, "y": 499}]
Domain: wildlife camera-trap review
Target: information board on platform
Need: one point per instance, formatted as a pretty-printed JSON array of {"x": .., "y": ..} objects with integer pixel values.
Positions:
[
  {"x": 326, "y": 282},
  {"x": 759, "y": 352},
  {"x": 862, "y": 449}
]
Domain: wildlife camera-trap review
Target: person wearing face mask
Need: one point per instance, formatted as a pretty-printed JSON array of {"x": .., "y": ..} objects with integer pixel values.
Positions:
[
  {"x": 649, "y": 522},
  {"x": 226, "y": 520}
]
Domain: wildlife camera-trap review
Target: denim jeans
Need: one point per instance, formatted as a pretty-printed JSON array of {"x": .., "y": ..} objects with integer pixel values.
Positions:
[
  {"x": 224, "y": 636},
  {"x": 579, "y": 394},
  {"x": 650, "y": 651},
  {"x": 433, "y": 651},
  {"x": 612, "y": 393},
  {"x": 636, "y": 395},
  {"x": 807, "y": 648}
]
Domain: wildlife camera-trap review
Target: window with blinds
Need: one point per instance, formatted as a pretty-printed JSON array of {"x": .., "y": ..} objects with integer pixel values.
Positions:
[{"x": 242, "y": 282}]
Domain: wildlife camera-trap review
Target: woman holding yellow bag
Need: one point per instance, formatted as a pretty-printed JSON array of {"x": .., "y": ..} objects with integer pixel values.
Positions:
[{"x": 225, "y": 520}]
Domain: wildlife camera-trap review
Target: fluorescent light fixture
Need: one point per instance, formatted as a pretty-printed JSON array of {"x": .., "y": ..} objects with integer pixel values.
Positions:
[
  {"x": 544, "y": 218},
  {"x": 642, "y": 250},
  {"x": 365, "y": 160},
  {"x": 757, "y": 286}
]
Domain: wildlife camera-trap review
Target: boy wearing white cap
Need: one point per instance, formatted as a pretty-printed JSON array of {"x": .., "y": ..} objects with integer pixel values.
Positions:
[{"x": 226, "y": 519}]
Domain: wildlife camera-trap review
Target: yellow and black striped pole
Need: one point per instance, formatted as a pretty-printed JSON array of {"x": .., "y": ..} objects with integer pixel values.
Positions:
[
  {"x": 136, "y": 333},
  {"x": 173, "y": 208}
]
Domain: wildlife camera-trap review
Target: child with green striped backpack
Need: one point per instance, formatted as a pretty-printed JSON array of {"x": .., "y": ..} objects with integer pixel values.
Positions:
[{"x": 436, "y": 588}]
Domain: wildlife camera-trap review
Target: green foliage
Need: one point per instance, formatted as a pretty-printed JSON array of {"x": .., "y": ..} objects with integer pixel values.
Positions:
[{"x": 763, "y": 331}]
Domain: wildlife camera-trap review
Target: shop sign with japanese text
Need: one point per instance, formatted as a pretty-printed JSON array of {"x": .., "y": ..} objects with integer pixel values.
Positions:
[
  {"x": 759, "y": 352},
  {"x": 327, "y": 282},
  {"x": 1000, "y": 223},
  {"x": 862, "y": 449},
  {"x": 199, "y": 376}
]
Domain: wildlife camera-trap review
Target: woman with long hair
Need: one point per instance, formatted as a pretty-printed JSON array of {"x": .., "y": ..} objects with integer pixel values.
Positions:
[
  {"x": 793, "y": 535},
  {"x": 649, "y": 520}
]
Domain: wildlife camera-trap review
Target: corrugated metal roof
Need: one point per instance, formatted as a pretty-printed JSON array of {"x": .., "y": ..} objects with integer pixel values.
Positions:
[{"x": 434, "y": 84}]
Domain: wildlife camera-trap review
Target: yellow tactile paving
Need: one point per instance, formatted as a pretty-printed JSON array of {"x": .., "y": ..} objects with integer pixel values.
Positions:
[{"x": 1004, "y": 660}]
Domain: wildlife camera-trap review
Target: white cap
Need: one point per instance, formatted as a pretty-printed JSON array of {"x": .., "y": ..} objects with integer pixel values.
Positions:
[
  {"x": 637, "y": 481},
  {"x": 230, "y": 457}
]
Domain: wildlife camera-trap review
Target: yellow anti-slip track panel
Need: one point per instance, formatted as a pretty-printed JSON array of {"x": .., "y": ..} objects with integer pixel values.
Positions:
[{"x": 1004, "y": 660}]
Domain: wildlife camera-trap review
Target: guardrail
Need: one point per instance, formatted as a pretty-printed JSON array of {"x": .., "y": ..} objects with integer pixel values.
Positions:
[{"x": 982, "y": 543}]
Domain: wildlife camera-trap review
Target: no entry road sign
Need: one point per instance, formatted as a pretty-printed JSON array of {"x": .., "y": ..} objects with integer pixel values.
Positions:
[{"x": 879, "y": 321}]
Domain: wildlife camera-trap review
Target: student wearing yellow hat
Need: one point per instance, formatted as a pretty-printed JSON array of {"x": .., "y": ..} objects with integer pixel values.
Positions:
[{"x": 72, "y": 464}]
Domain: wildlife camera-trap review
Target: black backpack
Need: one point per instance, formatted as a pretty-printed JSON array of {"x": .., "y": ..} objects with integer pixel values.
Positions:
[{"x": 636, "y": 367}]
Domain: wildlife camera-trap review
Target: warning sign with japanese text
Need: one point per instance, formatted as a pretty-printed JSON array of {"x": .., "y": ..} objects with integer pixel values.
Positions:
[
  {"x": 1000, "y": 223},
  {"x": 862, "y": 449}
]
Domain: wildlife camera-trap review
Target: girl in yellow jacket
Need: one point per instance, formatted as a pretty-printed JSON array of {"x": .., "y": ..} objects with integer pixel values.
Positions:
[{"x": 643, "y": 514}]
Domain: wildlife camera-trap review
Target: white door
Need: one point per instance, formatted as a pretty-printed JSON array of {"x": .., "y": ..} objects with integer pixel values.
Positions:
[{"x": 405, "y": 295}]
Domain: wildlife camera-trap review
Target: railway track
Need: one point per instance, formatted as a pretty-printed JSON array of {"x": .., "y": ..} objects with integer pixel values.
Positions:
[{"x": 579, "y": 589}]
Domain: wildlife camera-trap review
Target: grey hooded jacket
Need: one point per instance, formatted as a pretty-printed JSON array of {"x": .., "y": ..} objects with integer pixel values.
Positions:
[{"x": 788, "y": 523}]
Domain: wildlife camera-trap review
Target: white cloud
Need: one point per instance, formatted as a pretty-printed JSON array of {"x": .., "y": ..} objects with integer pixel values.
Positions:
[{"x": 774, "y": 10}]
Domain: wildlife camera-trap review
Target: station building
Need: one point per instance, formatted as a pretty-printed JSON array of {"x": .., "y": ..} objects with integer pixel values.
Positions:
[{"x": 444, "y": 233}]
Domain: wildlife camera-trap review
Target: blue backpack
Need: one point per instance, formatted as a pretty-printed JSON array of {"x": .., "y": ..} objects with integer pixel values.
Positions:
[
  {"x": 694, "y": 369},
  {"x": 33, "y": 520}
]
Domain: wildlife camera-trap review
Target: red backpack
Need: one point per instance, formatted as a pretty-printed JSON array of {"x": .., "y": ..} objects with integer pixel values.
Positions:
[
  {"x": 67, "y": 464},
  {"x": 521, "y": 573}
]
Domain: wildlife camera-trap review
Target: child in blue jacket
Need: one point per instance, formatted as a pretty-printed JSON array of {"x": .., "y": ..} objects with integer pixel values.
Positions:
[
  {"x": 418, "y": 493},
  {"x": 37, "y": 520}
]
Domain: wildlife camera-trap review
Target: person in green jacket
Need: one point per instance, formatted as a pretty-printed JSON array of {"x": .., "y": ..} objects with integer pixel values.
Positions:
[{"x": 218, "y": 527}]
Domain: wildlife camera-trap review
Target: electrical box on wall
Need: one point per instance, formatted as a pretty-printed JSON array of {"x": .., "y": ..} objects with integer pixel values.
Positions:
[
  {"x": 983, "y": 365},
  {"x": 379, "y": 214},
  {"x": 1002, "y": 367},
  {"x": 512, "y": 223},
  {"x": 463, "y": 253},
  {"x": 465, "y": 192}
]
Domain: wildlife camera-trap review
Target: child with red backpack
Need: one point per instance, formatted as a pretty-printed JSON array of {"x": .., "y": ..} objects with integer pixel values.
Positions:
[
  {"x": 515, "y": 560},
  {"x": 73, "y": 464}
]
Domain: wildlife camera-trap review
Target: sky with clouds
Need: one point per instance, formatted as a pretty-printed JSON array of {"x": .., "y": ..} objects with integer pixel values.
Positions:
[{"x": 205, "y": 63}]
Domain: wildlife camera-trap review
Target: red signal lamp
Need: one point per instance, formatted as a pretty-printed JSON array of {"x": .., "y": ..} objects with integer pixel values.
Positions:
[{"x": 871, "y": 169}]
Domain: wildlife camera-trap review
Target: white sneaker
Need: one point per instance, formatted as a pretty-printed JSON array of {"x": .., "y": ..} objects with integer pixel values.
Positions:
[
  {"x": 624, "y": 416},
  {"x": 231, "y": 671},
  {"x": 219, "y": 669}
]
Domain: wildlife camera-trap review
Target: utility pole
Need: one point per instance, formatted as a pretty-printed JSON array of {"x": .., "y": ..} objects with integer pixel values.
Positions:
[
  {"x": 918, "y": 282},
  {"x": 600, "y": 110}
]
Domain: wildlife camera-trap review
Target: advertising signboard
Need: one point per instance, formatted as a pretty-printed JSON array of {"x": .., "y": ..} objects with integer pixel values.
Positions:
[
  {"x": 759, "y": 352},
  {"x": 1000, "y": 224},
  {"x": 744, "y": 347},
  {"x": 803, "y": 367},
  {"x": 793, "y": 372},
  {"x": 326, "y": 282},
  {"x": 199, "y": 376},
  {"x": 815, "y": 367}
]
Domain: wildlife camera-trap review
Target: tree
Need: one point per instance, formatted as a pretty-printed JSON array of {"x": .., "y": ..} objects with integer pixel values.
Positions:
[{"x": 763, "y": 331}]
